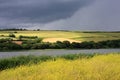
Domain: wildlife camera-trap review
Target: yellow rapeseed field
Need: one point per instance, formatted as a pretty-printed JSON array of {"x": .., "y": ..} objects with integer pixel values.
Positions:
[{"x": 101, "y": 67}]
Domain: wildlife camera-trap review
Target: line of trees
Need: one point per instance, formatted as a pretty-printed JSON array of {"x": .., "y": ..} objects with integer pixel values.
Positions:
[
  {"x": 7, "y": 44},
  {"x": 13, "y": 29},
  {"x": 18, "y": 29}
]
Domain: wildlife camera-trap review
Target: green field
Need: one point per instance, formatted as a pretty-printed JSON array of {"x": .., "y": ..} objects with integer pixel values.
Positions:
[
  {"x": 72, "y": 35},
  {"x": 99, "y": 67}
]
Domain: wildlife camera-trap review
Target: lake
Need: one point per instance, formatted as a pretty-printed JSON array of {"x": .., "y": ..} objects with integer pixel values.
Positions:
[{"x": 54, "y": 52}]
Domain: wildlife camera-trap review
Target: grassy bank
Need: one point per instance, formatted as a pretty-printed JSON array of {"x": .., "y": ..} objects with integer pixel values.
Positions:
[{"x": 99, "y": 67}]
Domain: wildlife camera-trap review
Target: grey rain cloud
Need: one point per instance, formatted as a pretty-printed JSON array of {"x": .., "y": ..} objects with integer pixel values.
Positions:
[
  {"x": 14, "y": 12},
  {"x": 101, "y": 15}
]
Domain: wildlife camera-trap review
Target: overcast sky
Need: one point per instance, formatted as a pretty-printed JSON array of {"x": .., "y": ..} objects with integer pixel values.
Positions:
[{"x": 61, "y": 14}]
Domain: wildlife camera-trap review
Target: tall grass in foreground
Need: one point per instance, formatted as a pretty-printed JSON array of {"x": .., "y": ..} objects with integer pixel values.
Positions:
[
  {"x": 100, "y": 67},
  {"x": 29, "y": 60}
]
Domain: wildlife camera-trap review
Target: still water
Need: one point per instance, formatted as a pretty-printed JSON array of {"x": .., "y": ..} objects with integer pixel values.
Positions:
[{"x": 55, "y": 52}]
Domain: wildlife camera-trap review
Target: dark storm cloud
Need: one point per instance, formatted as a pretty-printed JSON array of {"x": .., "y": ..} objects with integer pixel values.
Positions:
[
  {"x": 60, "y": 14},
  {"x": 38, "y": 11}
]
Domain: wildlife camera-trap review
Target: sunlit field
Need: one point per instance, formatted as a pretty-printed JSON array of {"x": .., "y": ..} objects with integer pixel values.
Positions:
[
  {"x": 66, "y": 35},
  {"x": 99, "y": 67}
]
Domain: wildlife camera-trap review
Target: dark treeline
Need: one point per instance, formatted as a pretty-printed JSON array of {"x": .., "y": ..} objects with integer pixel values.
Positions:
[
  {"x": 13, "y": 29},
  {"x": 8, "y": 44},
  {"x": 18, "y": 29}
]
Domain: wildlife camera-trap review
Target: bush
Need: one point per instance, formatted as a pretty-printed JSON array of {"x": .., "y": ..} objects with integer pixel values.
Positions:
[
  {"x": 28, "y": 37},
  {"x": 5, "y": 40},
  {"x": 15, "y": 32},
  {"x": 11, "y": 35}
]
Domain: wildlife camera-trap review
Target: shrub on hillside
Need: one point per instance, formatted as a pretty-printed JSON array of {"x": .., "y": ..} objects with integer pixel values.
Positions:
[{"x": 11, "y": 35}]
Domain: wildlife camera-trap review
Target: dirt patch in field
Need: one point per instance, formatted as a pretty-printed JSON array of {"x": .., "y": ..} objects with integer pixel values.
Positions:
[
  {"x": 17, "y": 42},
  {"x": 58, "y": 39}
]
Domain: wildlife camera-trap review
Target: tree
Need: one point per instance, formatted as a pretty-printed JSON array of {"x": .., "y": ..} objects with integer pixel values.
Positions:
[{"x": 67, "y": 44}]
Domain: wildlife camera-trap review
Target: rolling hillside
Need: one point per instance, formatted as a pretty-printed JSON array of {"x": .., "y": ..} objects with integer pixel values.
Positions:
[{"x": 72, "y": 36}]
